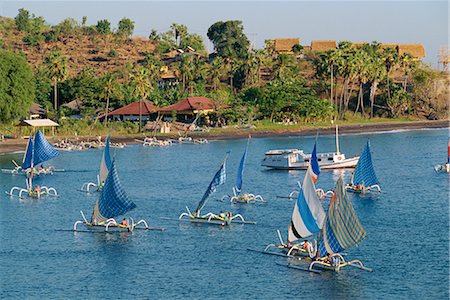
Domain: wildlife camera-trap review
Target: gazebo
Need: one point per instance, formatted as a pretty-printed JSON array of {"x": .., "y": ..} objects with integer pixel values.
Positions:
[
  {"x": 130, "y": 112},
  {"x": 189, "y": 107},
  {"x": 38, "y": 123}
]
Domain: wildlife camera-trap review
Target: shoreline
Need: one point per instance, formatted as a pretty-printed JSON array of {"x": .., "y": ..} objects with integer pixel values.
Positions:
[{"x": 15, "y": 145}]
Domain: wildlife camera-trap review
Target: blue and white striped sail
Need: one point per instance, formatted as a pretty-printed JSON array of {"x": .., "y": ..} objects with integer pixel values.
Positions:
[
  {"x": 28, "y": 156},
  {"x": 113, "y": 200},
  {"x": 105, "y": 164},
  {"x": 364, "y": 172},
  {"x": 240, "y": 174},
  {"x": 43, "y": 151},
  {"x": 315, "y": 168},
  {"x": 342, "y": 229},
  {"x": 218, "y": 179},
  {"x": 308, "y": 215}
]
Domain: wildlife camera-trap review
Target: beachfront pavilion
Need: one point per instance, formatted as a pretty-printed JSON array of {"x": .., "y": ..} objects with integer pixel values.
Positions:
[
  {"x": 36, "y": 124},
  {"x": 188, "y": 108},
  {"x": 130, "y": 112}
]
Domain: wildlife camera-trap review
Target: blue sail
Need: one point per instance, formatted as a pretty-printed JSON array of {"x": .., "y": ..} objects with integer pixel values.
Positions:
[
  {"x": 315, "y": 168},
  {"x": 28, "y": 157},
  {"x": 240, "y": 174},
  {"x": 342, "y": 229},
  {"x": 364, "y": 172},
  {"x": 113, "y": 201},
  {"x": 218, "y": 179},
  {"x": 43, "y": 151}
]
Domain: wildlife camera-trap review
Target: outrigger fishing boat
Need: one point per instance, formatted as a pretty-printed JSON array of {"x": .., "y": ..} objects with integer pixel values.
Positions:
[
  {"x": 341, "y": 231},
  {"x": 37, "y": 169},
  {"x": 307, "y": 220},
  {"x": 113, "y": 202},
  {"x": 238, "y": 196},
  {"x": 223, "y": 218},
  {"x": 364, "y": 178},
  {"x": 105, "y": 165},
  {"x": 296, "y": 159},
  {"x": 39, "y": 150},
  {"x": 446, "y": 167}
]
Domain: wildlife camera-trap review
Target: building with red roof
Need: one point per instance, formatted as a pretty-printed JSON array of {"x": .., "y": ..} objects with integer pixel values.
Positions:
[
  {"x": 191, "y": 106},
  {"x": 131, "y": 111}
]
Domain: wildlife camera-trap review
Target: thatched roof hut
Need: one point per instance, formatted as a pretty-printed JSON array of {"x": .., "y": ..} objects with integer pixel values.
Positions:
[
  {"x": 359, "y": 44},
  {"x": 416, "y": 50},
  {"x": 285, "y": 45},
  {"x": 323, "y": 45}
]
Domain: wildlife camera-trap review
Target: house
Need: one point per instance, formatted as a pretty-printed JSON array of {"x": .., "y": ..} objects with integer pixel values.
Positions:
[
  {"x": 130, "y": 112},
  {"x": 188, "y": 108},
  {"x": 417, "y": 51},
  {"x": 284, "y": 45},
  {"x": 323, "y": 45}
]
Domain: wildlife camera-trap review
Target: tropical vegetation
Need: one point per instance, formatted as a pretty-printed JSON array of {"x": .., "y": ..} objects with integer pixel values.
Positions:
[{"x": 251, "y": 84}]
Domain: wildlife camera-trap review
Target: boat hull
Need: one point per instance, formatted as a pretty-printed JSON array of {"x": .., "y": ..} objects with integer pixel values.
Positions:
[{"x": 344, "y": 164}]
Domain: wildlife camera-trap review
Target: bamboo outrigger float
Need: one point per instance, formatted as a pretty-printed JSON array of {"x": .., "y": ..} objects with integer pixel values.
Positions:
[
  {"x": 364, "y": 178},
  {"x": 105, "y": 165},
  {"x": 113, "y": 202},
  {"x": 38, "y": 151},
  {"x": 238, "y": 196},
  {"x": 222, "y": 218}
]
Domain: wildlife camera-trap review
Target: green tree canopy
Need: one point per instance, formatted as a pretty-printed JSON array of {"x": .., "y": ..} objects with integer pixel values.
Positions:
[
  {"x": 23, "y": 20},
  {"x": 229, "y": 39},
  {"x": 126, "y": 27},
  {"x": 103, "y": 26},
  {"x": 17, "y": 86}
]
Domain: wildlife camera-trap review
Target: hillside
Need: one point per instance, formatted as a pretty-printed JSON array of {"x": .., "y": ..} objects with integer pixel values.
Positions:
[{"x": 82, "y": 50}]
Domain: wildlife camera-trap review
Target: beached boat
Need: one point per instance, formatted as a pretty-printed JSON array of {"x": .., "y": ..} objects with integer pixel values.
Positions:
[
  {"x": 307, "y": 220},
  {"x": 445, "y": 167},
  {"x": 39, "y": 150},
  {"x": 154, "y": 142},
  {"x": 288, "y": 159},
  {"x": 223, "y": 218},
  {"x": 341, "y": 231},
  {"x": 238, "y": 196},
  {"x": 364, "y": 178},
  {"x": 105, "y": 165},
  {"x": 113, "y": 202}
]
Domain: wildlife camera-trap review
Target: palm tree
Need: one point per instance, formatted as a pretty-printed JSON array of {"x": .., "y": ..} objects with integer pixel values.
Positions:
[
  {"x": 57, "y": 71},
  {"x": 377, "y": 72},
  {"x": 216, "y": 71},
  {"x": 109, "y": 89},
  {"x": 142, "y": 87},
  {"x": 390, "y": 58}
]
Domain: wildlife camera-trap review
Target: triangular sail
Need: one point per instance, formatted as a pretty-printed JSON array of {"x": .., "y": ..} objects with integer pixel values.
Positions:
[
  {"x": 308, "y": 215},
  {"x": 43, "y": 151},
  {"x": 218, "y": 179},
  {"x": 240, "y": 174},
  {"x": 28, "y": 156},
  {"x": 342, "y": 229},
  {"x": 315, "y": 169},
  {"x": 364, "y": 172},
  {"x": 113, "y": 201},
  {"x": 105, "y": 165}
]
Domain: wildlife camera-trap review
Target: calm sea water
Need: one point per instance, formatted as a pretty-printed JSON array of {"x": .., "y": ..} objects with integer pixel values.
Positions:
[{"x": 407, "y": 225}]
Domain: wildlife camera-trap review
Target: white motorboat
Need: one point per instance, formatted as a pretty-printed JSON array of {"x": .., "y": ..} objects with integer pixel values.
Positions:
[{"x": 289, "y": 159}]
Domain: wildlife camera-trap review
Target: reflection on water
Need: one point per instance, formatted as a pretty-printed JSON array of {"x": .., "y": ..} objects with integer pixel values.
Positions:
[{"x": 201, "y": 261}]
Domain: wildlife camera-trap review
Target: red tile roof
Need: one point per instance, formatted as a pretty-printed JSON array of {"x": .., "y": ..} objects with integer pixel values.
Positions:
[
  {"x": 133, "y": 109},
  {"x": 191, "y": 104}
]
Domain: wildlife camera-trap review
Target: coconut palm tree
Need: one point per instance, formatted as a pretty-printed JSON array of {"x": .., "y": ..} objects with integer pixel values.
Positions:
[
  {"x": 141, "y": 80},
  {"x": 216, "y": 71},
  {"x": 110, "y": 89},
  {"x": 390, "y": 58},
  {"x": 57, "y": 69}
]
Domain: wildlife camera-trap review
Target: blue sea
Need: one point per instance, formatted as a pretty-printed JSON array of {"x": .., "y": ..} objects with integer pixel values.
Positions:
[{"x": 407, "y": 225}]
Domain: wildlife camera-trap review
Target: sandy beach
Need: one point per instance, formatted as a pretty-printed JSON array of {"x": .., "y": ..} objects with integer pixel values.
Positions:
[{"x": 16, "y": 145}]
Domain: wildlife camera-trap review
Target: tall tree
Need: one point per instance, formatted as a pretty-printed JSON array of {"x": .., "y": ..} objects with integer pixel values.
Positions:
[
  {"x": 142, "y": 87},
  {"x": 229, "y": 39},
  {"x": 103, "y": 26},
  {"x": 126, "y": 28},
  {"x": 179, "y": 31},
  {"x": 17, "y": 86},
  {"x": 57, "y": 68},
  {"x": 110, "y": 89}
]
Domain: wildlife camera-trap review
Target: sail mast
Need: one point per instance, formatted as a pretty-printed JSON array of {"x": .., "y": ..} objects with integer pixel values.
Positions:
[{"x": 337, "y": 140}]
